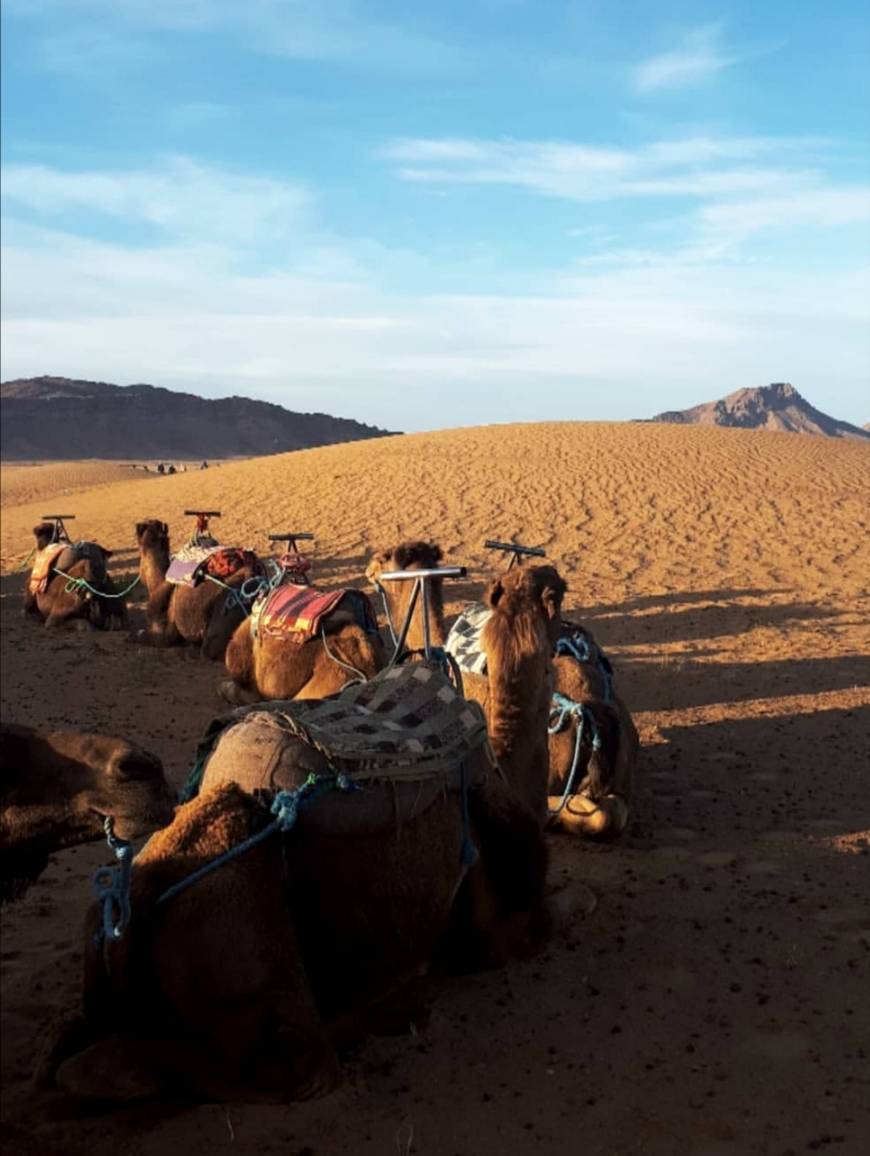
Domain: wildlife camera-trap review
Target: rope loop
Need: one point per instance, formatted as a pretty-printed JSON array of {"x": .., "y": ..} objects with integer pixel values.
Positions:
[
  {"x": 112, "y": 885},
  {"x": 563, "y": 709},
  {"x": 75, "y": 585}
]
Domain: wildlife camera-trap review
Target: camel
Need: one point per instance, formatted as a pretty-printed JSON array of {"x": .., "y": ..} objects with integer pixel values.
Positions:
[
  {"x": 61, "y": 598},
  {"x": 272, "y": 667},
  {"x": 204, "y": 614},
  {"x": 594, "y": 801},
  {"x": 324, "y": 920},
  {"x": 598, "y": 805},
  {"x": 56, "y": 789}
]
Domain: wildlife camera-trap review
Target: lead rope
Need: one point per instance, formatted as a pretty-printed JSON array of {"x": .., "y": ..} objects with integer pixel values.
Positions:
[
  {"x": 380, "y": 589},
  {"x": 360, "y": 677},
  {"x": 112, "y": 885},
  {"x": 564, "y": 708}
]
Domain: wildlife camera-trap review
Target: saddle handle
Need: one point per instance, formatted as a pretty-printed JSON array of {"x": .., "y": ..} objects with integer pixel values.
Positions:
[
  {"x": 202, "y": 513},
  {"x": 517, "y": 552},
  {"x": 58, "y": 517},
  {"x": 421, "y": 579},
  {"x": 291, "y": 538}
]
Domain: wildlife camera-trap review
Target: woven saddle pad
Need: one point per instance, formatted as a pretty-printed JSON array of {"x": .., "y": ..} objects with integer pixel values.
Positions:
[
  {"x": 406, "y": 724},
  {"x": 463, "y": 641}
]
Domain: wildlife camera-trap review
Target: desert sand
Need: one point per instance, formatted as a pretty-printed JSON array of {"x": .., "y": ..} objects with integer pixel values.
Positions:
[{"x": 715, "y": 1002}]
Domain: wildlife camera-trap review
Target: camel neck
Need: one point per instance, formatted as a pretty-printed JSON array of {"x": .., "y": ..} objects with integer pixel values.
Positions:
[
  {"x": 520, "y": 690},
  {"x": 399, "y": 606},
  {"x": 153, "y": 564}
]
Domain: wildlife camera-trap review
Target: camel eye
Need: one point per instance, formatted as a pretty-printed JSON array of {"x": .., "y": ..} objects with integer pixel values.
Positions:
[{"x": 135, "y": 766}]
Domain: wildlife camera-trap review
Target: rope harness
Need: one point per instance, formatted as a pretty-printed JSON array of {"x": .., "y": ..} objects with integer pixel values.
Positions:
[
  {"x": 576, "y": 646},
  {"x": 285, "y": 807},
  {"x": 112, "y": 885},
  {"x": 390, "y": 625},
  {"x": 562, "y": 711}
]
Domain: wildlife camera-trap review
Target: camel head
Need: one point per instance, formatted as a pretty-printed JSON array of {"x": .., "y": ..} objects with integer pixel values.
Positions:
[
  {"x": 536, "y": 591},
  {"x": 152, "y": 535},
  {"x": 417, "y": 555},
  {"x": 44, "y": 533},
  {"x": 59, "y": 786}
]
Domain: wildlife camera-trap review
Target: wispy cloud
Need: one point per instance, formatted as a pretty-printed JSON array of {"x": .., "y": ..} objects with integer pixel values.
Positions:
[
  {"x": 323, "y": 30},
  {"x": 696, "y": 166},
  {"x": 699, "y": 57},
  {"x": 179, "y": 198}
]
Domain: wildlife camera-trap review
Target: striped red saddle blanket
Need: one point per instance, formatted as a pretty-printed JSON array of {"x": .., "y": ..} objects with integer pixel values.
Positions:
[{"x": 297, "y": 613}]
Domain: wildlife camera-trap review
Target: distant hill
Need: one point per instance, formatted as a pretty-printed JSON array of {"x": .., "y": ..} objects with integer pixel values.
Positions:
[
  {"x": 777, "y": 407},
  {"x": 59, "y": 418}
]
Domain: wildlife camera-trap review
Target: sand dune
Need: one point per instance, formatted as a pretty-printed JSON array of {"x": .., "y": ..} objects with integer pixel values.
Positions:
[{"x": 714, "y": 1002}]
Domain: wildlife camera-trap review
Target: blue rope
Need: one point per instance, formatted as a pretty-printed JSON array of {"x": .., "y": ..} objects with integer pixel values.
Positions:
[
  {"x": 562, "y": 710},
  {"x": 285, "y": 808},
  {"x": 112, "y": 885},
  {"x": 468, "y": 856},
  {"x": 75, "y": 584}
]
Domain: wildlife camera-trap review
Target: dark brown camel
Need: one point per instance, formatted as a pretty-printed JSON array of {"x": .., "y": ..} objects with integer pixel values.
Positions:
[
  {"x": 84, "y": 592},
  {"x": 241, "y": 978},
  {"x": 56, "y": 788},
  {"x": 206, "y": 614},
  {"x": 270, "y": 667}
]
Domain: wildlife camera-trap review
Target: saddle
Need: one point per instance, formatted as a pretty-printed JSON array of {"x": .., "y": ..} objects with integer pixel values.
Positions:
[
  {"x": 407, "y": 730},
  {"x": 42, "y": 566},
  {"x": 297, "y": 613},
  {"x": 47, "y": 559},
  {"x": 194, "y": 563}
]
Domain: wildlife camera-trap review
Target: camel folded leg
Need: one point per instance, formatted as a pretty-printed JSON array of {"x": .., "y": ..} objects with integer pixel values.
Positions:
[{"x": 594, "y": 819}]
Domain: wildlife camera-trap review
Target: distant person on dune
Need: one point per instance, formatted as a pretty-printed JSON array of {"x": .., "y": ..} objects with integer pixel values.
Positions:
[{"x": 204, "y": 466}]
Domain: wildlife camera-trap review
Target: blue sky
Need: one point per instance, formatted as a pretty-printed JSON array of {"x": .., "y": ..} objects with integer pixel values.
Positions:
[{"x": 428, "y": 215}]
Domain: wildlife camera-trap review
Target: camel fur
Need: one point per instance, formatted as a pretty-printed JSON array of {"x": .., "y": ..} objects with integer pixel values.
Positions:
[
  {"x": 56, "y": 606},
  {"x": 206, "y": 614},
  {"x": 56, "y": 788},
  {"x": 335, "y": 924}
]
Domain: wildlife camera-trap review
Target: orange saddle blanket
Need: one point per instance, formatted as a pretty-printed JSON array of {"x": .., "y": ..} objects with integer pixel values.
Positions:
[
  {"x": 42, "y": 565},
  {"x": 298, "y": 612}
]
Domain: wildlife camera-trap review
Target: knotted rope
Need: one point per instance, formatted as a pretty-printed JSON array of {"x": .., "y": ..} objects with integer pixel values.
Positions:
[
  {"x": 285, "y": 807},
  {"x": 562, "y": 710},
  {"x": 112, "y": 885}
]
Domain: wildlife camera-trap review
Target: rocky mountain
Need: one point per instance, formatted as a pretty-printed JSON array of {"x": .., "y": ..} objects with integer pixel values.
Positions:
[
  {"x": 777, "y": 407},
  {"x": 59, "y": 418}
]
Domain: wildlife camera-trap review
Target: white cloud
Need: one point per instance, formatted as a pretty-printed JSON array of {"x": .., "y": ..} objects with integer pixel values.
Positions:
[{"x": 179, "y": 198}]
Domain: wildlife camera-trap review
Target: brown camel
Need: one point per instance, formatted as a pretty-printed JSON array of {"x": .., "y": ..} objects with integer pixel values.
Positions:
[
  {"x": 594, "y": 745},
  {"x": 74, "y": 595},
  {"x": 56, "y": 789},
  {"x": 272, "y": 667},
  {"x": 605, "y": 751},
  {"x": 204, "y": 614},
  {"x": 356, "y": 899},
  {"x": 417, "y": 555}
]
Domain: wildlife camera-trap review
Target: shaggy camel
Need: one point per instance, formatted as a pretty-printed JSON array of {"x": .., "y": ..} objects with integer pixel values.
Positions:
[
  {"x": 58, "y": 786},
  {"x": 271, "y": 667},
  {"x": 349, "y": 904},
  {"x": 206, "y": 614},
  {"x": 48, "y": 596}
]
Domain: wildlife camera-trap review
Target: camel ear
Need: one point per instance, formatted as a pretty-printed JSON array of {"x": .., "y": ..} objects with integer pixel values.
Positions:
[
  {"x": 438, "y": 553},
  {"x": 494, "y": 593},
  {"x": 164, "y": 527},
  {"x": 106, "y": 553},
  {"x": 140, "y": 529}
]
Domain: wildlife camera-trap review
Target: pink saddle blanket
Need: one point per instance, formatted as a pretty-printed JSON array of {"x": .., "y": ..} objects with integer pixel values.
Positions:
[
  {"x": 296, "y": 613},
  {"x": 42, "y": 565}
]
